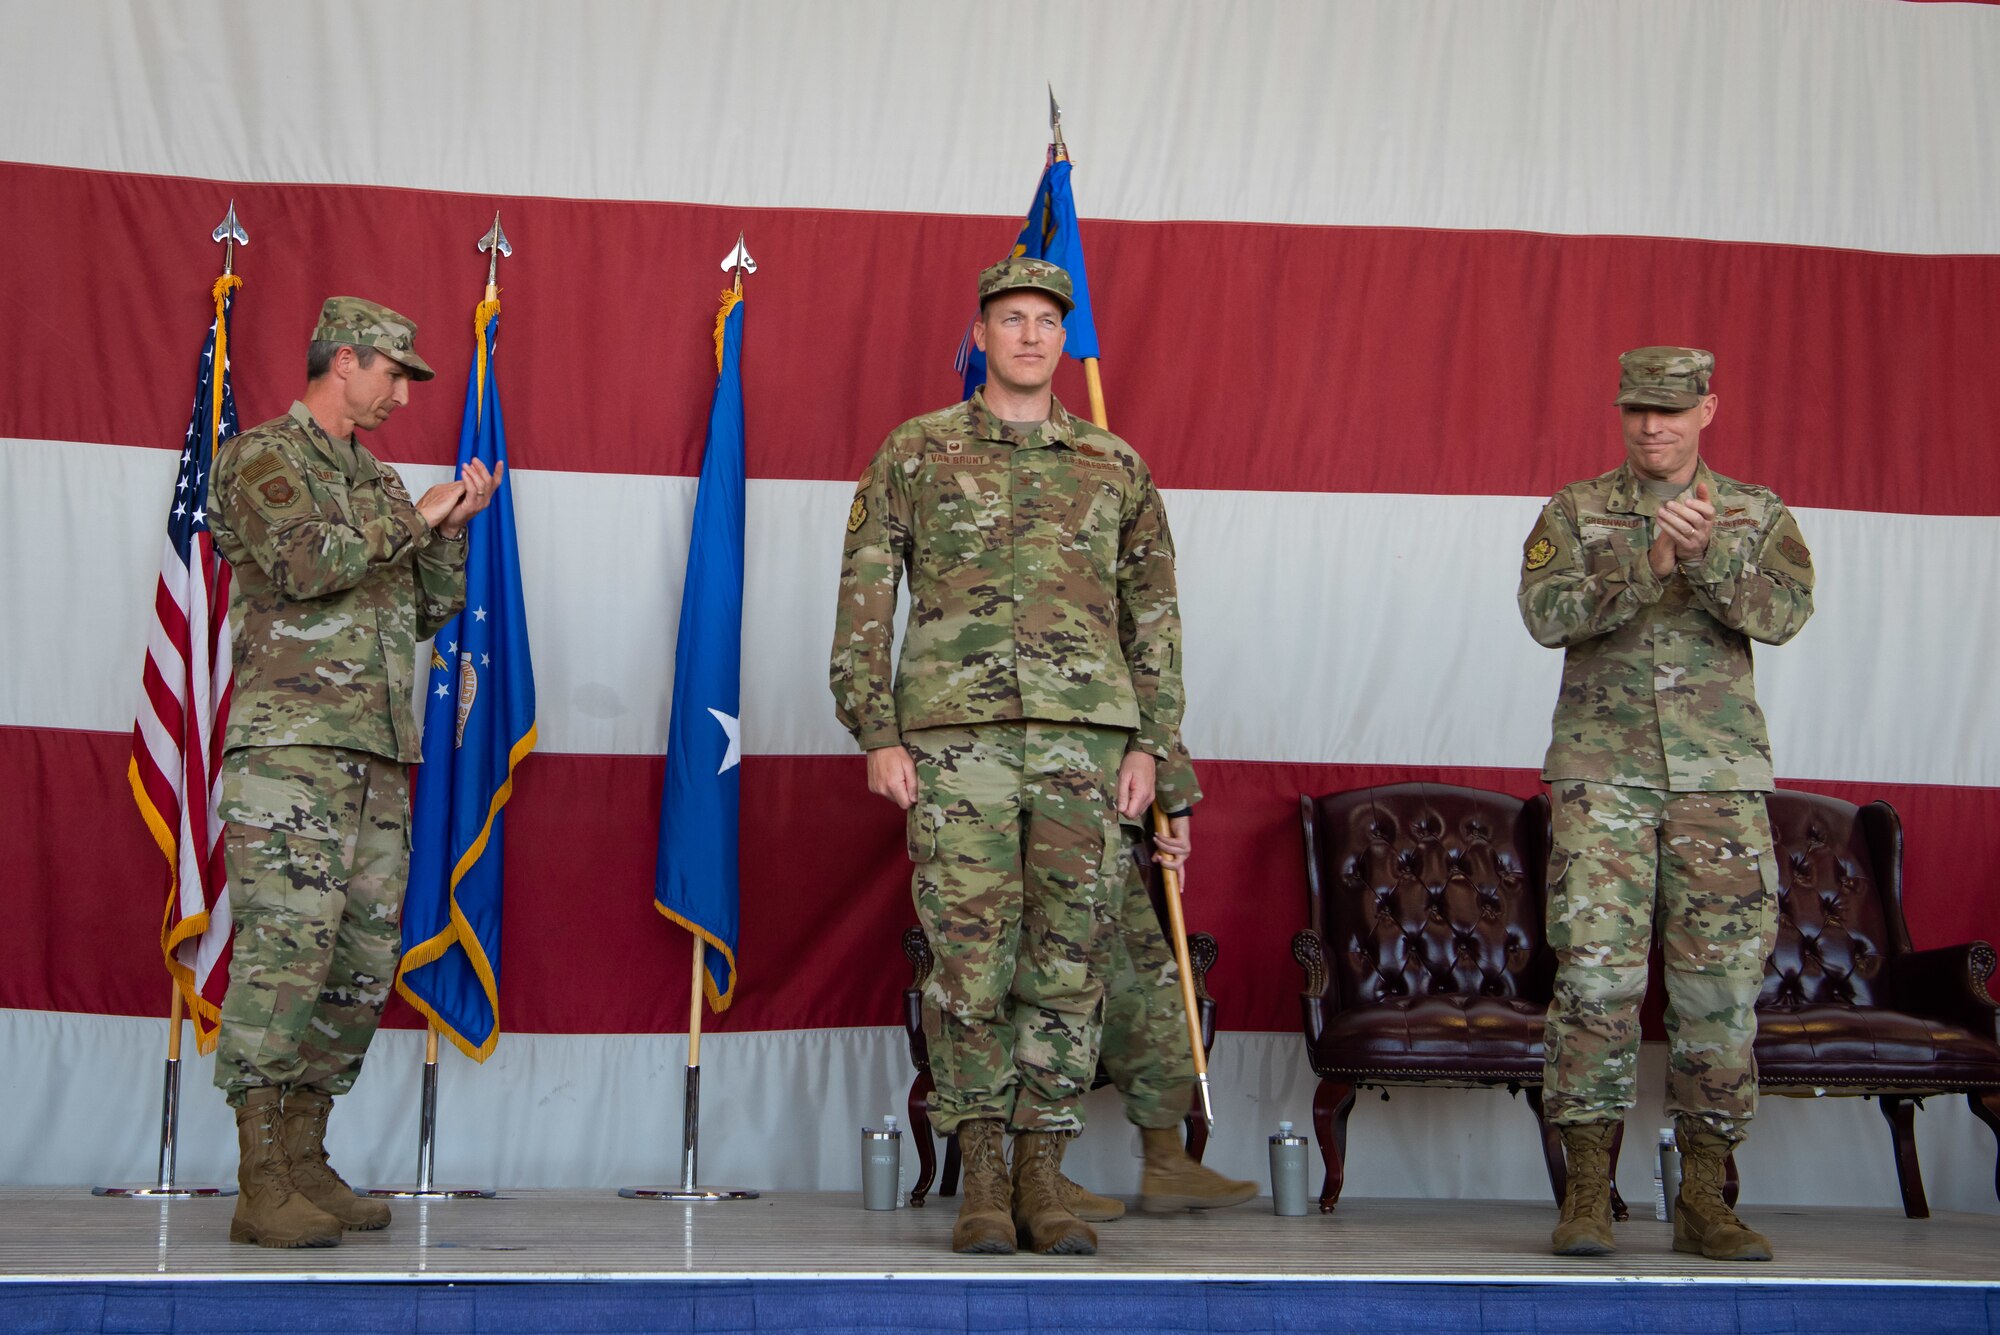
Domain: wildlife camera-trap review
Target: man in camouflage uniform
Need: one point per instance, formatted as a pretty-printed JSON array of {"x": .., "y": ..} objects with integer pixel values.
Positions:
[
  {"x": 1654, "y": 578},
  {"x": 338, "y": 575},
  {"x": 1146, "y": 1049},
  {"x": 1038, "y": 686}
]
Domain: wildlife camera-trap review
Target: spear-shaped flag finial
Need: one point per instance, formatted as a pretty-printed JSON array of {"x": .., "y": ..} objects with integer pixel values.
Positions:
[
  {"x": 738, "y": 262},
  {"x": 1058, "y": 150},
  {"x": 231, "y": 234},
  {"x": 493, "y": 245}
]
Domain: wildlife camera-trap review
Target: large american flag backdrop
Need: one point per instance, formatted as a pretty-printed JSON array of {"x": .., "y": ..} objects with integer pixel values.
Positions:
[{"x": 1362, "y": 272}]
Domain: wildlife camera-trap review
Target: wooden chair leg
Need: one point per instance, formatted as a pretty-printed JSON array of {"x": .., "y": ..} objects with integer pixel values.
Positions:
[
  {"x": 1332, "y": 1102},
  {"x": 949, "y": 1185},
  {"x": 1552, "y": 1147},
  {"x": 919, "y": 1108},
  {"x": 1901, "y": 1114},
  {"x": 1985, "y": 1105},
  {"x": 1197, "y": 1135}
]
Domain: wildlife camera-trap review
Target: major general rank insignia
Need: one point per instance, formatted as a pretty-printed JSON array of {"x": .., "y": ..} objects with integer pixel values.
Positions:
[
  {"x": 857, "y": 516},
  {"x": 1795, "y": 551},
  {"x": 278, "y": 491},
  {"x": 1540, "y": 553}
]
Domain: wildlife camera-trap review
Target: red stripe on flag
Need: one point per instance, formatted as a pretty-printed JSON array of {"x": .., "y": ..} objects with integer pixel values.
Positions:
[
  {"x": 820, "y": 940},
  {"x": 1239, "y": 356}
]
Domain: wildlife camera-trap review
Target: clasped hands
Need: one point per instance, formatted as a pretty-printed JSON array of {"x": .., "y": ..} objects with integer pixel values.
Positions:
[
  {"x": 1684, "y": 528},
  {"x": 449, "y": 506}
]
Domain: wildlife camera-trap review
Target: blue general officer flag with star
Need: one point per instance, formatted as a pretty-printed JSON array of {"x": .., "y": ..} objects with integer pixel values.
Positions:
[
  {"x": 1051, "y": 234},
  {"x": 479, "y": 723},
  {"x": 695, "y": 883}
]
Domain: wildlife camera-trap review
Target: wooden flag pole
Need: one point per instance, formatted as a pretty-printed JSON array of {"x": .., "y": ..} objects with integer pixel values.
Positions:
[
  {"x": 175, "y": 1014},
  {"x": 492, "y": 245},
  {"x": 1095, "y": 383},
  {"x": 694, "y": 1002},
  {"x": 1170, "y": 878},
  {"x": 736, "y": 263},
  {"x": 691, "y": 1096},
  {"x": 228, "y": 233}
]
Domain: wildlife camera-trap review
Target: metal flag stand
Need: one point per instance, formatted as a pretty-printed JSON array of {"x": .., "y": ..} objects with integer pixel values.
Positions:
[
  {"x": 229, "y": 233},
  {"x": 492, "y": 245},
  {"x": 736, "y": 263},
  {"x": 425, "y": 1188},
  {"x": 164, "y": 1187}
]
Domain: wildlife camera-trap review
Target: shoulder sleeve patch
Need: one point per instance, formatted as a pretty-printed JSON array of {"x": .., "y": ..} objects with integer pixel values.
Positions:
[
  {"x": 1539, "y": 550},
  {"x": 256, "y": 470},
  {"x": 1795, "y": 551},
  {"x": 857, "y": 514}
]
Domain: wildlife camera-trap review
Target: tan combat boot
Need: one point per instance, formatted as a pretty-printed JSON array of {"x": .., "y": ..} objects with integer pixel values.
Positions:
[
  {"x": 1039, "y": 1212},
  {"x": 1086, "y": 1204},
  {"x": 305, "y": 1117},
  {"x": 1172, "y": 1181},
  {"x": 985, "y": 1223},
  {"x": 1585, "y": 1227},
  {"x": 1703, "y": 1221},
  {"x": 269, "y": 1209}
]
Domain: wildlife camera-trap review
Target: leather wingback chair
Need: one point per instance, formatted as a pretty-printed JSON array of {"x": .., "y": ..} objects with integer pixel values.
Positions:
[
  {"x": 1848, "y": 1007},
  {"x": 1201, "y": 954},
  {"x": 1424, "y": 952}
]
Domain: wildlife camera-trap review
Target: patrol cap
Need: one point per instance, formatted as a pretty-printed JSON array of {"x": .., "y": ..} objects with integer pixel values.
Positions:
[
  {"x": 1664, "y": 377},
  {"x": 369, "y": 324},
  {"x": 1019, "y": 273}
]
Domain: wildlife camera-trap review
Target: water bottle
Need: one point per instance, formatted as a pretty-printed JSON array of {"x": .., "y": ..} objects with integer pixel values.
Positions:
[
  {"x": 881, "y": 1165},
  {"x": 1288, "y": 1171},
  {"x": 1667, "y": 1176}
]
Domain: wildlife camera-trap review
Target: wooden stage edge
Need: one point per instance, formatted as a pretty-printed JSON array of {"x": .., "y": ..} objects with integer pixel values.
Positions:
[{"x": 65, "y": 1235}]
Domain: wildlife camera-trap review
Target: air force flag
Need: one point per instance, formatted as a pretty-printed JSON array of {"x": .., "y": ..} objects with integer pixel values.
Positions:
[
  {"x": 479, "y": 723},
  {"x": 696, "y": 881}
]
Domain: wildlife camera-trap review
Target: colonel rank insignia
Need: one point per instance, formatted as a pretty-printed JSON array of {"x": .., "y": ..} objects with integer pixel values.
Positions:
[
  {"x": 1540, "y": 553},
  {"x": 857, "y": 516}
]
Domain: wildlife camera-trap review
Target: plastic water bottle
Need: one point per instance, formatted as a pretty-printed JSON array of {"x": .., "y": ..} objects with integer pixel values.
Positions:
[{"x": 1288, "y": 1171}]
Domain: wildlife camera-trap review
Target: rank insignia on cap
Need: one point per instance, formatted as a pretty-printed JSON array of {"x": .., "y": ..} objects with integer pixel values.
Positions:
[
  {"x": 1541, "y": 553},
  {"x": 857, "y": 516},
  {"x": 1795, "y": 551},
  {"x": 278, "y": 491}
]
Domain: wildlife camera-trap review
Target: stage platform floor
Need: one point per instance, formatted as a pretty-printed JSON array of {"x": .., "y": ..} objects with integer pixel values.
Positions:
[{"x": 67, "y": 1235}]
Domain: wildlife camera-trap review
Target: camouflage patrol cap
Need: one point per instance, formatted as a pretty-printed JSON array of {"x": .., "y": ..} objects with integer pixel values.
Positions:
[
  {"x": 368, "y": 324},
  {"x": 1664, "y": 377},
  {"x": 1018, "y": 272}
]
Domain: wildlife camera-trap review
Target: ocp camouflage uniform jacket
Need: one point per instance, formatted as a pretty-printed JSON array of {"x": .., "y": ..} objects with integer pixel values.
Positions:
[
  {"x": 1658, "y": 689},
  {"x": 337, "y": 578},
  {"x": 1041, "y": 583}
]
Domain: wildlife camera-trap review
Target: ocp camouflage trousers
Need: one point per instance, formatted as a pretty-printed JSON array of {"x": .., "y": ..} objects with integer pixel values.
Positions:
[
  {"x": 1146, "y": 1045},
  {"x": 1015, "y": 842},
  {"x": 1696, "y": 869},
  {"x": 318, "y": 850}
]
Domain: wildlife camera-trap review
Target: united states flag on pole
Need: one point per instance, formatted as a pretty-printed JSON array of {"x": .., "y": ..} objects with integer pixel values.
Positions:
[{"x": 183, "y": 710}]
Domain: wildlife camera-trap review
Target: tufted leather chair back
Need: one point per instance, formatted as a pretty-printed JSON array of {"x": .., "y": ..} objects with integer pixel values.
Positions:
[
  {"x": 1840, "y": 901},
  {"x": 1423, "y": 889}
]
